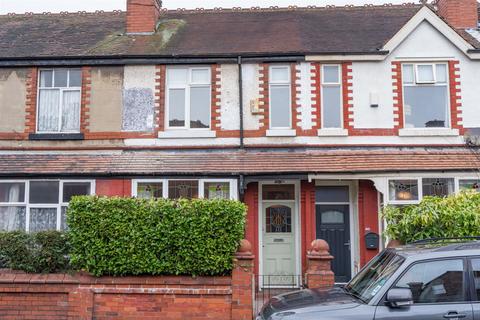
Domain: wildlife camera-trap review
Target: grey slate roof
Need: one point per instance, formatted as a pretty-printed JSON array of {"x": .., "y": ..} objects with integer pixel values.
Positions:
[{"x": 358, "y": 30}]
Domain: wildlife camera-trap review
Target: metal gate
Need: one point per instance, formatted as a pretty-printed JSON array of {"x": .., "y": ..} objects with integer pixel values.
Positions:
[{"x": 273, "y": 285}]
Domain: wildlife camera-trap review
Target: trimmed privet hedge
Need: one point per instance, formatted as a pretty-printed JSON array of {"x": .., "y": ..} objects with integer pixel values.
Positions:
[
  {"x": 454, "y": 216},
  {"x": 42, "y": 252},
  {"x": 123, "y": 236}
]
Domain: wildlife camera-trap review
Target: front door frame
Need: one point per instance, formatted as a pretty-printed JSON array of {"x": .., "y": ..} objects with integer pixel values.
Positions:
[
  {"x": 297, "y": 227},
  {"x": 352, "y": 193}
]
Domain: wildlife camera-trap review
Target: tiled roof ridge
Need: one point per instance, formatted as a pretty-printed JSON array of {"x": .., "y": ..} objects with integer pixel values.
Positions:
[{"x": 233, "y": 9}]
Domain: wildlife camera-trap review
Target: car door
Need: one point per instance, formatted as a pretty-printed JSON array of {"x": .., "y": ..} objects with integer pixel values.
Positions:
[
  {"x": 474, "y": 264},
  {"x": 439, "y": 289}
]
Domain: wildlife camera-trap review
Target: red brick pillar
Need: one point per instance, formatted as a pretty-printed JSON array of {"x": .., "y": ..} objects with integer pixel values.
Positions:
[
  {"x": 242, "y": 283},
  {"x": 80, "y": 304},
  {"x": 319, "y": 272}
]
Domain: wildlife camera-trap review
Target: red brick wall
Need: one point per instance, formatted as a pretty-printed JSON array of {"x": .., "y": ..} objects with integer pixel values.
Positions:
[
  {"x": 455, "y": 95},
  {"x": 142, "y": 15},
  {"x": 251, "y": 229},
  {"x": 113, "y": 187},
  {"x": 367, "y": 216},
  {"x": 460, "y": 14}
]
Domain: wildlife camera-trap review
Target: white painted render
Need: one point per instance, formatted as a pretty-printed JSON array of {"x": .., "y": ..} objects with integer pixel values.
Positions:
[
  {"x": 305, "y": 96},
  {"x": 139, "y": 77},
  {"x": 251, "y": 92},
  {"x": 229, "y": 95}
]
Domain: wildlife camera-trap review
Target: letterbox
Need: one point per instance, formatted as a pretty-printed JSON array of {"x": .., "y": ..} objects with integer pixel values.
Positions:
[{"x": 372, "y": 241}]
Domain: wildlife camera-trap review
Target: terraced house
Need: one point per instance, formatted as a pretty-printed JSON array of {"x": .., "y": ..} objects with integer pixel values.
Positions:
[{"x": 314, "y": 117}]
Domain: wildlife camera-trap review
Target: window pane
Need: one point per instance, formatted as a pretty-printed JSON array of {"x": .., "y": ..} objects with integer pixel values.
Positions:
[
  {"x": 426, "y": 106},
  {"x": 332, "y": 107},
  {"x": 75, "y": 78},
  {"x": 280, "y": 107},
  {"x": 63, "y": 219},
  {"x": 425, "y": 73},
  {"x": 44, "y": 191},
  {"x": 442, "y": 73},
  {"x": 149, "y": 190},
  {"x": 278, "y": 192},
  {"x": 182, "y": 189},
  {"x": 217, "y": 190},
  {"x": 333, "y": 217},
  {"x": 71, "y": 111},
  {"x": 48, "y": 110},
  {"x": 278, "y": 219},
  {"x": 464, "y": 185},
  {"x": 440, "y": 187},
  {"x": 407, "y": 74},
  {"x": 61, "y": 78},
  {"x": 71, "y": 189},
  {"x": 43, "y": 219},
  {"x": 200, "y": 107},
  {"x": 201, "y": 76},
  {"x": 476, "y": 277},
  {"x": 12, "y": 218},
  {"x": 331, "y": 74},
  {"x": 176, "y": 107},
  {"x": 46, "y": 78},
  {"x": 435, "y": 282},
  {"x": 403, "y": 190},
  {"x": 178, "y": 76},
  {"x": 12, "y": 192},
  {"x": 332, "y": 194},
  {"x": 279, "y": 74}
]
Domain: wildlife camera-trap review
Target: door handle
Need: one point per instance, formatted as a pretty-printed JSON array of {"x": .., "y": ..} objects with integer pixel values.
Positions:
[{"x": 454, "y": 315}]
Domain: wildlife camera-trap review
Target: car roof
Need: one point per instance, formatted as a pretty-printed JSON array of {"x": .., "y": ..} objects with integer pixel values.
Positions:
[{"x": 437, "y": 249}]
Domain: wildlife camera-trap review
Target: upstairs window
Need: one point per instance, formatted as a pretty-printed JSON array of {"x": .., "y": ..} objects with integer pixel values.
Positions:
[
  {"x": 425, "y": 93},
  {"x": 280, "y": 104},
  {"x": 59, "y": 98},
  {"x": 188, "y": 98},
  {"x": 331, "y": 97}
]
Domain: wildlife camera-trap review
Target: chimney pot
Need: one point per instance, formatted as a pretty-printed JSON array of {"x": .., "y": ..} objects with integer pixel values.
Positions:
[
  {"x": 460, "y": 14},
  {"x": 142, "y": 16}
]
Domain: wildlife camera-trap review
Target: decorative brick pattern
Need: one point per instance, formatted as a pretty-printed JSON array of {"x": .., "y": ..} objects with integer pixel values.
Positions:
[
  {"x": 455, "y": 96},
  {"x": 31, "y": 102},
  {"x": 347, "y": 95},
  {"x": 216, "y": 103},
  {"x": 397, "y": 84},
  {"x": 264, "y": 98},
  {"x": 316, "y": 96},
  {"x": 85, "y": 103},
  {"x": 295, "y": 96},
  {"x": 160, "y": 83}
]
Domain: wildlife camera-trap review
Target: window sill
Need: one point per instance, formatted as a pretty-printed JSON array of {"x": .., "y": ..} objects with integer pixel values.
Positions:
[
  {"x": 281, "y": 133},
  {"x": 334, "y": 132},
  {"x": 56, "y": 136},
  {"x": 433, "y": 132},
  {"x": 187, "y": 134}
]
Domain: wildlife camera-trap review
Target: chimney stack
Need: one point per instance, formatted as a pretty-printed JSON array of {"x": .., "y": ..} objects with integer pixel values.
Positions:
[
  {"x": 460, "y": 14},
  {"x": 142, "y": 16}
]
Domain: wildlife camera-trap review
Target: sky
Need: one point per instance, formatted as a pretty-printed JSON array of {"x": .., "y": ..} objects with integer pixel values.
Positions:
[{"x": 22, "y": 6}]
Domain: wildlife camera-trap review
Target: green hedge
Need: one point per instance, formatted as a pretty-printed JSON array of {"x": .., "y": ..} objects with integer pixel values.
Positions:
[
  {"x": 453, "y": 216},
  {"x": 42, "y": 252},
  {"x": 123, "y": 236}
]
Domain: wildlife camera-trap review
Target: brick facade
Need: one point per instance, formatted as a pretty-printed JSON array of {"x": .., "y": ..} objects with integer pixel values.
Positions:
[
  {"x": 85, "y": 100},
  {"x": 264, "y": 98},
  {"x": 397, "y": 85},
  {"x": 347, "y": 96},
  {"x": 455, "y": 95},
  {"x": 142, "y": 15},
  {"x": 460, "y": 14},
  {"x": 31, "y": 107},
  {"x": 160, "y": 84},
  {"x": 215, "y": 96},
  {"x": 316, "y": 97}
]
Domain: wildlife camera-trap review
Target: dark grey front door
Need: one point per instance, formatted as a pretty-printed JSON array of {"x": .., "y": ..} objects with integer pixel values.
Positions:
[{"x": 333, "y": 226}]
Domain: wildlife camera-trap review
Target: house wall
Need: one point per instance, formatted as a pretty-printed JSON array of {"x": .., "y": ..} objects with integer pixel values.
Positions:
[{"x": 13, "y": 92}]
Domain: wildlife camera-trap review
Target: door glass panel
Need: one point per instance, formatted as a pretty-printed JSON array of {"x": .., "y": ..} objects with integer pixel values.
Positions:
[
  {"x": 278, "y": 219},
  {"x": 435, "y": 281},
  {"x": 182, "y": 189},
  {"x": 332, "y": 194},
  {"x": 331, "y": 217},
  {"x": 278, "y": 192}
]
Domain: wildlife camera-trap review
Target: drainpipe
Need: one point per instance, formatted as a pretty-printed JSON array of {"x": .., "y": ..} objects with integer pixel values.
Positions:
[{"x": 240, "y": 99}]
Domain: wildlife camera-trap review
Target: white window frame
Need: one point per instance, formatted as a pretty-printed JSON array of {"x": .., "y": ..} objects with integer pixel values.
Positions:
[
  {"x": 187, "y": 87},
  {"x": 417, "y": 73},
  {"x": 331, "y": 84},
  {"x": 58, "y": 206},
  {"x": 273, "y": 84},
  {"x": 60, "y": 104},
  {"x": 416, "y": 83},
  {"x": 405, "y": 202},
  {"x": 201, "y": 186}
]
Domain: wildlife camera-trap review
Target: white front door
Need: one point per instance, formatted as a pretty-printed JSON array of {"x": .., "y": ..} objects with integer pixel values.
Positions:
[{"x": 278, "y": 237}]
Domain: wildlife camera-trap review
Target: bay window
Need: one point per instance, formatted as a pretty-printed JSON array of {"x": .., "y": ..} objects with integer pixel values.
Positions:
[
  {"x": 188, "y": 98},
  {"x": 38, "y": 205},
  {"x": 59, "y": 99},
  {"x": 331, "y": 97},
  {"x": 184, "y": 188},
  {"x": 425, "y": 94},
  {"x": 280, "y": 102}
]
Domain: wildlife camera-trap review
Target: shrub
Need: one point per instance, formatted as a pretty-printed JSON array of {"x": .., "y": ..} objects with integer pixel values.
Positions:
[
  {"x": 453, "y": 216},
  {"x": 42, "y": 252},
  {"x": 121, "y": 236}
]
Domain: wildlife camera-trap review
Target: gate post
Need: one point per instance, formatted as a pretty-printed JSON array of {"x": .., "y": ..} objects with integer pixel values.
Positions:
[
  {"x": 319, "y": 272},
  {"x": 243, "y": 283}
]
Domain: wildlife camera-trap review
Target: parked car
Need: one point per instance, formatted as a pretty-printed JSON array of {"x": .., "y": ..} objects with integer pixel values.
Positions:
[{"x": 428, "y": 280}]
